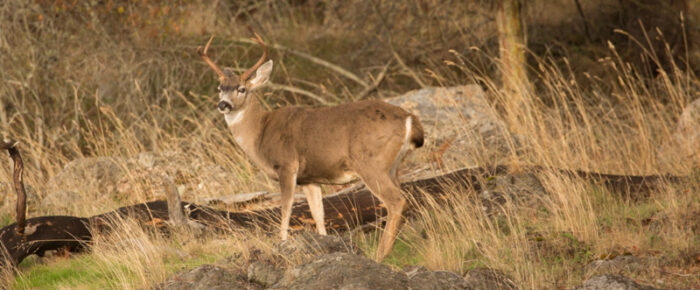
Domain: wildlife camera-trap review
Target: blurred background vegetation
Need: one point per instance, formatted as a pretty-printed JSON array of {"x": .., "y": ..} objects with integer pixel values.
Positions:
[
  {"x": 607, "y": 81},
  {"x": 63, "y": 60}
]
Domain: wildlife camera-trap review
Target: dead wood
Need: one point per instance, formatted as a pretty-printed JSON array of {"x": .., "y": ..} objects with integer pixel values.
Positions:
[
  {"x": 344, "y": 210},
  {"x": 18, "y": 184}
]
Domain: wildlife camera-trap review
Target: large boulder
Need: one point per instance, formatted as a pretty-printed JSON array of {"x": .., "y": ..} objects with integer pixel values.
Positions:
[
  {"x": 134, "y": 179},
  {"x": 618, "y": 264},
  {"x": 194, "y": 178},
  {"x": 328, "y": 262},
  {"x": 460, "y": 120},
  {"x": 342, "y": 271},
  {"x": 420, "y": 278},
  {"x": 263, "y": 273},
  {"x": 486, "y": 278},
  {"x": 207, "y": 277},
  {"x": 91, "y": 178},
  {"x": 612, "y": 282},
  {"x": 305, "y": 246},
  {"x": 91, "y": 173},
  {"x": 522, "y": 189}
]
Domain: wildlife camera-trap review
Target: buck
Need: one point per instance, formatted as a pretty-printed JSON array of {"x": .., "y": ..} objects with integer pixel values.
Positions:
[{"x": 305, "y": 147}]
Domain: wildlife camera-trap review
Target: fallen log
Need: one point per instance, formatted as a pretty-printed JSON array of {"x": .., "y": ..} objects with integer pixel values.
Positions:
[{"x": 344, "y": 210}]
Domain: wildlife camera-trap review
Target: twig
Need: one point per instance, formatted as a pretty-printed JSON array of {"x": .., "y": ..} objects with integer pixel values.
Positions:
[
  {"x": 585, "y": 21},
  {"x": 298, "y": 91},
  {"x": 377, "y": 81},
  {"x": 313, "y": 59},
  {"x": 413, "y": 74}
]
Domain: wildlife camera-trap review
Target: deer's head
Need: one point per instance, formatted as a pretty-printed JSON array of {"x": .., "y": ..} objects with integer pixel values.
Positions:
[{"x": 234, "y": 90}]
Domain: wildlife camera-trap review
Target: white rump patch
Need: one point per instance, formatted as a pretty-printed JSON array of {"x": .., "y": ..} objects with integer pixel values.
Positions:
[
  {"x": 404, "y": 148},
  {"x": 409, "y": 124}
]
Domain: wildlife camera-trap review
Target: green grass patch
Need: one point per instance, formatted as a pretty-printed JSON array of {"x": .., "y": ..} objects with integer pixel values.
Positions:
[{"x": 80, "y": 270}]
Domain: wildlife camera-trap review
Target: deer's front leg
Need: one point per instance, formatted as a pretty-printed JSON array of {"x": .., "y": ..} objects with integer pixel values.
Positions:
[{"x": 287, "y": 180}]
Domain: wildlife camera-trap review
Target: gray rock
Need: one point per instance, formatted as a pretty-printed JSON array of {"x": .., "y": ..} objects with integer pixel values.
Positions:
[
  {"x": 8, "y": 201},
  {"x": 612, "y": 282},
  {"x": 59, "y": 198},
  {"x": 207, "y": 277},
  {"x": 80, "y": 179},
  {"x": 94, "y": 173},
  {"x": 146, "y": 159},
  {"x": 619, "y": 264},
  {"x": 264, "y": 273},
  {"x": 342, "y": 271},
  {"x": 523, "y": 188},
  {"x": 485, "y": 278},
  {"x": 305, "y": 246},
  {"x": 460, "y": 115},
  {"x": 420, "y": 278}
]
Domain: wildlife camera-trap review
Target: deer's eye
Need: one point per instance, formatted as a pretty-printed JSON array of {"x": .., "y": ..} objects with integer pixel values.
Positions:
[{"x": 241, "y": 90}]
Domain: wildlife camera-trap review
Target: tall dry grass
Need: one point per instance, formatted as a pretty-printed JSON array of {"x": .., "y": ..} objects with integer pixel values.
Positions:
[{"x": 84, "y": 80}]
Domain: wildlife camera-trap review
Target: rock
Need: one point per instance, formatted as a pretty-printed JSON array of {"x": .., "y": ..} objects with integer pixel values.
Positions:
[
  {"x": 342, "y": 271},
  {"x": 683, "y": 148},
  {"x": 263, "y": 273},
  {"x": 460, "y": 116},
  {"x": 8, "y": 200},
  {"x": 307, "y": 245},
  {"x": 420, "y": 278},
  {"x": 523, "y": 188},
  {"x": 58, "y": 199},
  {"x": 612, "y": 282},
  {"x": 193, "y": 178},
  {"x": 485, "y": 278},
  {"x": 146, "y": 159},
  {"x": 88, "y": 174},
  {"x": 82, "y": 179},
  {"x": 207, "y": 277},
  {"x": 619, "y": 264}
]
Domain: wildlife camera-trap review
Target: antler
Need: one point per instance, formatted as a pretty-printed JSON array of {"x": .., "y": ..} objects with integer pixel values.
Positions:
[
  {"x": 250, "y": 71},
  {"x": 211, "y": 64}
]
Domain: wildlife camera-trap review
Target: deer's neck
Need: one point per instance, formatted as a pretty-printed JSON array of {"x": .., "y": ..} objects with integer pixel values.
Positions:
[{"x": 246, "y": 125}]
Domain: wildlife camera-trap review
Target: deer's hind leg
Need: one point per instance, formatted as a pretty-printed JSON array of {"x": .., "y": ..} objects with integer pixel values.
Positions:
[
  {"x": 382, "y": 185},
  {"x": 315, "y": 201}
]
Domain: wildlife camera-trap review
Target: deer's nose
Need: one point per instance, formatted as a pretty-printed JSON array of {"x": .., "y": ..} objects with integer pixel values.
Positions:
[{"x": 224, "y": 105}]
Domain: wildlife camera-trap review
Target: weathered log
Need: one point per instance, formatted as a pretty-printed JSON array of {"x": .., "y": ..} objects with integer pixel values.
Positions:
[
  {"x": 43, "y": 234},
  {"x": 344, "y": 210}
]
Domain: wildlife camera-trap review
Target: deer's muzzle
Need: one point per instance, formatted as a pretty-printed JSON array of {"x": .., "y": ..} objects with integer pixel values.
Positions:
[{"x": 224, "y": 107}]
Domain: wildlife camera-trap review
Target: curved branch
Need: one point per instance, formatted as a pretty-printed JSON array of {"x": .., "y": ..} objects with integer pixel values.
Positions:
[
  {"x": 18, "y": 182},
  {"x": 316, "y": 60}
]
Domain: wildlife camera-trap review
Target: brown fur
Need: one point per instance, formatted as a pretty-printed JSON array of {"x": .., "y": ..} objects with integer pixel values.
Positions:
[
  {"x": 331, "y": 145},
  {"x": 333, "y": 140},
  {"x": 309, "y": 146}
]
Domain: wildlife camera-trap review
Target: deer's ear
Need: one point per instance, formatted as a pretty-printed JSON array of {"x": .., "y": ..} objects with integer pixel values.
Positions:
[{"x": 261, "y": 75}]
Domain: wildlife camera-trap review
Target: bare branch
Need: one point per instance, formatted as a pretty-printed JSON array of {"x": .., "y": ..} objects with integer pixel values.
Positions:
[
  {"x": 21, "y": 207},
  {"x": 316, "y": 60}
]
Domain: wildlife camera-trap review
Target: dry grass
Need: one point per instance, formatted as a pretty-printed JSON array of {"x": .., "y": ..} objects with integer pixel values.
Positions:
[{"x": 89, "y": 80}]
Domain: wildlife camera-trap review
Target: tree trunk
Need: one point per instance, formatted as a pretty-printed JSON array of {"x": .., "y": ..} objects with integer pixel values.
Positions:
[{"x": 512, "y": 45}]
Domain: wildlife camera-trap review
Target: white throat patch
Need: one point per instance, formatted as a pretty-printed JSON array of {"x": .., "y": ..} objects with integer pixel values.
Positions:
[{"x": 234, "y": 118}]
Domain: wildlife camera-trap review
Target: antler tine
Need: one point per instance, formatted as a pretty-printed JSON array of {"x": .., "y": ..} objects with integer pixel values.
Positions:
[
  {"x": 211, "y": 64},
  {"x": 250, "y": 71}
]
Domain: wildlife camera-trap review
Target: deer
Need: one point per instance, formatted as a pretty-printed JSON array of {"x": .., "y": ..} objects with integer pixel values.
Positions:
[{"x": 308, "y": 146}]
